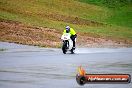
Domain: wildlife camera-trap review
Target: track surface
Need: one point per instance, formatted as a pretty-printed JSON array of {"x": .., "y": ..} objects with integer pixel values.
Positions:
[{"x": 24, "y": 66}]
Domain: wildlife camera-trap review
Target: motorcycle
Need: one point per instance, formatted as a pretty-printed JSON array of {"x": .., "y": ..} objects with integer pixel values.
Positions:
[{"x": 67, "y": 43}]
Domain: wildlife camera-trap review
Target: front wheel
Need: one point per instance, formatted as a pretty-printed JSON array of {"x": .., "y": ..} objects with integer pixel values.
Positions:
[
  {"x": 64, "y": 47},
  {"x": 64, "y": 50}
]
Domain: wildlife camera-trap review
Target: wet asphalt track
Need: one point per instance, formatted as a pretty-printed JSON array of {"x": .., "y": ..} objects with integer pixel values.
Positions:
[{"x": 33, "y": 67}]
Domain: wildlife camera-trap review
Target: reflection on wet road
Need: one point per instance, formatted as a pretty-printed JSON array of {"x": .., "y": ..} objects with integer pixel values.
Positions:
[{"x": 24, "y": 66}]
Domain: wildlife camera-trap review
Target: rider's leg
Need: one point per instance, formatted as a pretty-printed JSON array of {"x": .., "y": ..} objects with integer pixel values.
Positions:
[
  {"x": 73, "y": 39},
  {"x": 73, "y": 43}
]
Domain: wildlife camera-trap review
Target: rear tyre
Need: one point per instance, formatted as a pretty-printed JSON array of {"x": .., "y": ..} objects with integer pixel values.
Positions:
[{"x": 72, "y": 51}]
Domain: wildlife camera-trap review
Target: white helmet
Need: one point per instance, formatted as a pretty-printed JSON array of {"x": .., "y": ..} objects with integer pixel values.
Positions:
[{"x": 67, "y": 29}]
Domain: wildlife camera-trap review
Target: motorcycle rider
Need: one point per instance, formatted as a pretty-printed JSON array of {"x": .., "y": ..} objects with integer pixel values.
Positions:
[{"x": 73, "y": 34}]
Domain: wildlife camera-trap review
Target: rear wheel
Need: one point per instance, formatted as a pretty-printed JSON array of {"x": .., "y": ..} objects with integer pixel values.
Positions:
[{"x": 72, "y": 51}]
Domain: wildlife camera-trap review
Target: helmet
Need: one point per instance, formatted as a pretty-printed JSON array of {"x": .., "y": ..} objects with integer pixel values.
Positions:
[{"x": 67, "y": 29}]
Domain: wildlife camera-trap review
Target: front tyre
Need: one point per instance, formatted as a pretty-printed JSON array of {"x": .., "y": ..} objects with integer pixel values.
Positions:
[
  {"x": 64, "y": 47},
  {"x": 64, "y": 50}
]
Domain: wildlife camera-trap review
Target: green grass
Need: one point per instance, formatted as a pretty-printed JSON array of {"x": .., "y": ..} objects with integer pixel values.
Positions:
[
  {"x": 121, "y": 11},
  {"x": 45, "y": 7},
  {"x": 122, "y": 17},
  {"x": 36, "y": 13},
  {"x": 108, "y": 3}
]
